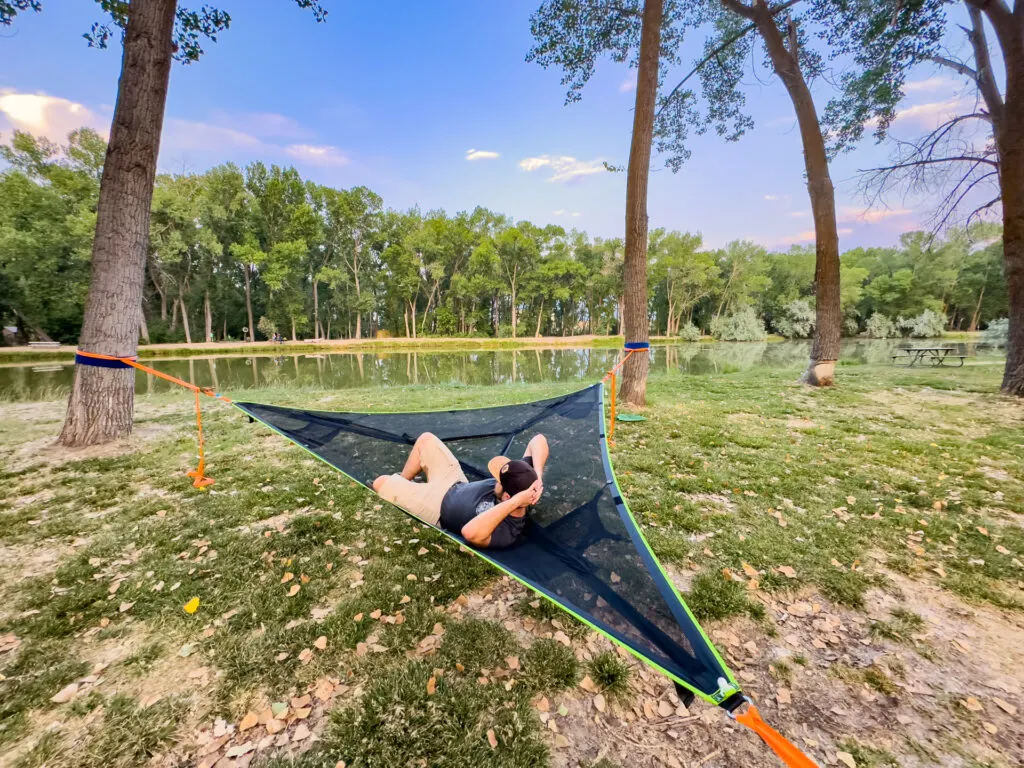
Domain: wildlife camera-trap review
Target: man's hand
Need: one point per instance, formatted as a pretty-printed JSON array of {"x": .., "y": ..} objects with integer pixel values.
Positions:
[{"x": 530, "y": 496}]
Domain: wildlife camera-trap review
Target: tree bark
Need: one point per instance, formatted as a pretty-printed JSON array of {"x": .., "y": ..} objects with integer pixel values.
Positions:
[
  {"x": 102, "y": 399},
  {"x": 316, "y": 310},
  {"x": 248, "y": 303},
  {"x": 828, "y": 313},
  {"x": 636, "y": 321},
  {"x": 540, "y": 316},
  {"x": 1008, "y": 129},
  {"x": 184, "y": 320},
  {"x": 143, "y": 327},
  {"x": 208, "y": 315}
]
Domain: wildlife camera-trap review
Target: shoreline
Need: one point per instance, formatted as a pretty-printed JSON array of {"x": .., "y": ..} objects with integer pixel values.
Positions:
[{"x": 66, "y": 352}]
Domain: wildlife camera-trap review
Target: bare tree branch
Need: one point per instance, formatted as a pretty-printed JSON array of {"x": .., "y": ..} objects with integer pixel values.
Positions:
[{"x": 957, "y": 66}]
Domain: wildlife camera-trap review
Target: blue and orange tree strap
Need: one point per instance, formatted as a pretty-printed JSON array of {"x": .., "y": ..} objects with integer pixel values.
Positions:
[{"x": 95, "y": 359}]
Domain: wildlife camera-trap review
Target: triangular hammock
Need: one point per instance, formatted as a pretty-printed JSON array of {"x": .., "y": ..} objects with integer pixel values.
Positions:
[{"x": 582, "y": 550}]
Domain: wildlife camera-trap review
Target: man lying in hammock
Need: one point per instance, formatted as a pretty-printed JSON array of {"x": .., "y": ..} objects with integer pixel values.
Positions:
[{"x": 487, "y": 513}]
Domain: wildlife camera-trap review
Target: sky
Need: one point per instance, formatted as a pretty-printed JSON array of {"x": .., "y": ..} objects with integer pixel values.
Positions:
[{"x": 433, "y": 105}]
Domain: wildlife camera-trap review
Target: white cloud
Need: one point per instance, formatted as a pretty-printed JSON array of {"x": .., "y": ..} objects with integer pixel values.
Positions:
[
  {"x": 771, "y": 198},
  {"x": 809, "y": 236},
  {"x": 314, "y": 154},
  {"x": 937, "y": 83},
  {"x": 559, "y": 212},
  {"x": 576, "y": 213},
  {"x": 481, "y": 154},
  {"x": 49, "y": 116},
  {"x": 629, "y": 84},
  {"x": 195, "y": 136},
  {"x": 263, "y": 124},
  {"x": 872, "y": 216},
  {"x": 798, "y": 214},
  {"x": 565, "y": 168}
]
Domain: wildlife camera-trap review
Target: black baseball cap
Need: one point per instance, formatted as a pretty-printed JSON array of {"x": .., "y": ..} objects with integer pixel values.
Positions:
[{"x": 513, "y": 474}]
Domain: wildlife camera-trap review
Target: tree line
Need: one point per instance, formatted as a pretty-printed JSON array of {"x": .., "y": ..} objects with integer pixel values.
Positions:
[{"x": 246, "y": 253}]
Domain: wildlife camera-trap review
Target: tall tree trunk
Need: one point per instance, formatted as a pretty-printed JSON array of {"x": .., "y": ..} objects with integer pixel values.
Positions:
[
  {"x": 208, "y": 315},
  {"x": 1008, "y": 130},
  {"x": 515, "y": 315},
  {"x": 540, "y": 316},
  {"x": 184, "y": 320},
  {"x": 316, "y": 310},
  {"x": 143, "y": 327},
  {"x": 636, "y": 321},
  {"x": 248, "y": 303},
  {"x": 412, "y": 307},
  {"x": 174, "y": 316},
  {"x": 294, "y": 337},
  {"x": 828, "y": 313},
  {"x": 102, "y": 399},
  {"x": 224, "y": 330},
  {"x": 405, "y": 317}
]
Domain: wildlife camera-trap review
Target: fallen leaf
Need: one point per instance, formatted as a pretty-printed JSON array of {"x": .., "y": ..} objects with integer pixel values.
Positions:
[
  {"x": 787, "y": 571},
  {"x": 563, "y": 638},
  {"x": 301, "y": 733},
  {"x": 599, "y": 703},
  {"x": 357, "y": 617},
  {"x": 124, "y": 607},
  {"x": 459, "y": 667},
  {"x": 750, "y": 570},
  {"x": 543, "y": 705},
  {"x": 846, "y": 759},
  {"x": 282, "y": 656},
  {"x": 422, "y": 551},
  {"x": 512, "y": 662},
  {"x": 972, "y": 704},
  {"x": 305, "y": 655},
  {"x": 192, "y": 606},
  {"x": 983, "y": 531},
  {"x": 990, "y": 727},
  {"x": 431, "y": 686},
  {"x": 288, "y": 576},
  {"x": 301, "y": 714},
  {"x": 376, "y": 614},
  {"x": 851, "y": 500},
  {"x": 561, "y": 742},
  {"x": 563, "y": 710},
  {"x": 275, "y": 725},
  {"x": 65, "y": 694},
  {"x": 240, "y": 749},
  {"x": 250, "y": 720},
  {"x": 294, "y": 590},
  {"x": 405, "y": 599},
  {"x": 665, "y": 709},
  {"x": 320, "y": 643},
  {"x": 304, "y": 579},
  {"x": 588, "y": 685},
  {"x": 1006, "y": 706},
  {"x": 784, "y": 696},
  {"x": 492, "y": 739},
  {"x": 616, "y": 578},
  {"x": 1002, "y": 550}
]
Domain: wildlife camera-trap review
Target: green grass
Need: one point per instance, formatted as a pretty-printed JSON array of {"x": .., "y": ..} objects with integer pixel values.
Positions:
[
  {"x": 610, "y": 674},
  {"x": 719, "y": 461}
]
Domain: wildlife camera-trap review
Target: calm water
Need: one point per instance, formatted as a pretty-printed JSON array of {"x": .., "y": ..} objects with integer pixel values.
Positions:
[{"x": 343, "y": 370}]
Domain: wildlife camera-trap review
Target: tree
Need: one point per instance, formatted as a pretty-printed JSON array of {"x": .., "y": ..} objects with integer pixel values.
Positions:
[
  {"x": 572, "y": 35},
  {"x": 154, "y": 32},
  {"x": 684, "y": 272}
]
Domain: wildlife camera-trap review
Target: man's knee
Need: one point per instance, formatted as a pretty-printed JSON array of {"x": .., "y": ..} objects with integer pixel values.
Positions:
[
  {"x": 379, "y": 482},
  {"x": 427, "y": 437}
]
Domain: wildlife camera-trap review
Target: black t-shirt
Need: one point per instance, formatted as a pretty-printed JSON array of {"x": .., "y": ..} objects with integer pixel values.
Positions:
[{"x": 467, "y": 500}]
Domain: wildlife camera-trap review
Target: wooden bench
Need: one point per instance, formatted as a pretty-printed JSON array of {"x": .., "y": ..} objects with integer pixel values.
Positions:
[
  {"x": 44, "y": 344},
  {"x": 935, "y": 356}
]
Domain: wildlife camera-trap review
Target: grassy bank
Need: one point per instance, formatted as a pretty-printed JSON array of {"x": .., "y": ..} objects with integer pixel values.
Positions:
[
  {"x": 427, "y": 344},
  {"x": 855, "y": 553}
]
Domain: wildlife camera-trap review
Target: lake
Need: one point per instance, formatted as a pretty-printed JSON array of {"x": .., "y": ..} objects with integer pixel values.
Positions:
[{"x": 234, "y": 373}]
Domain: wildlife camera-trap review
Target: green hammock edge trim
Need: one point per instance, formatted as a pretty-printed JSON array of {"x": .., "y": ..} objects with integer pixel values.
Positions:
[
  {"x": 625, "y": 505},
  {"x": 479, "y": 553}
]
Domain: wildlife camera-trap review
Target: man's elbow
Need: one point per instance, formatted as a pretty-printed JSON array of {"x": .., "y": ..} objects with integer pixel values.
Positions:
[{"x": 474, "y": 537}]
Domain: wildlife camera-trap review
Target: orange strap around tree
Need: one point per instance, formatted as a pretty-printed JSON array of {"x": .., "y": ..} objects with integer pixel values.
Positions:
[
  {"x": 201, "y": 480},
  {"x": 611, "y": 375},
  {"x": 779, "y": 744}
]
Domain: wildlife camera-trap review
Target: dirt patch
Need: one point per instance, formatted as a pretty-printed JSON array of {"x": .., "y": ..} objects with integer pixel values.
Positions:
[
  {"x": 710, "y": 502},
  {"x": 799, "y": 423}
]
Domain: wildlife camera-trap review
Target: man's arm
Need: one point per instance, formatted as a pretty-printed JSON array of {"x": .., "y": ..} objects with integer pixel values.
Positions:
[
  {"x": 478, "y": 530},
  {"x": 537, "y": 448}
]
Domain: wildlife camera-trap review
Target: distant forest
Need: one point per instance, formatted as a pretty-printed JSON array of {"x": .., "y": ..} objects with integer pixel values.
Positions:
[{"x": 244, "y": 253}]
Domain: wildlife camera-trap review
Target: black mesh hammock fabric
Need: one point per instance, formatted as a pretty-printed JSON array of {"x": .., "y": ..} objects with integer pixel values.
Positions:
[{"x": 582, "y": 548}]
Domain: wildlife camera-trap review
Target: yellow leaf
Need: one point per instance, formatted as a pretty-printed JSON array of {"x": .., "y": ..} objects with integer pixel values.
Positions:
[
  {"x": 288, "y": 576},
  {"x": 750, "y": 570},
  {"x": 320, "y": 643},
  {"x": 983, "y": 531},
  {"x": 304, "y": 579},
  {"x": 431, "y": 686},
  {"x": 192, "y": 606},
  {"x": 294, "y": 590}
]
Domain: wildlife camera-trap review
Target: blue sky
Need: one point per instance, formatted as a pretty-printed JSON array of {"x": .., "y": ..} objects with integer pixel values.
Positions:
[{"x": 395, "y": 94}]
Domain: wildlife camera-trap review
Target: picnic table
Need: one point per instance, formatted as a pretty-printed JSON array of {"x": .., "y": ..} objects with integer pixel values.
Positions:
[{"x": 935, "y": 356}]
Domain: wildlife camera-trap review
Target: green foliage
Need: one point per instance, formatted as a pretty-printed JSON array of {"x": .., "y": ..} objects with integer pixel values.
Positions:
[
  {"x": 796, "y": 320},
  {"x": 550, "y": 666},
  {"x": 742, "y": 325},
  {"x": 714, "y": 597},
  {"x": 997, "y": 333},
  {"x": 690, "y": 332},
  {"x": 928, "y": 325},
  {"x": 610, "y": 674},
  {"x": 880, "y": 327},
  {"x": 266, "y": 327}
]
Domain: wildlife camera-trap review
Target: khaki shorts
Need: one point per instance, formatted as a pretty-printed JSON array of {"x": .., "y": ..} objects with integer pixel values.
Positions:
[{"x": 424, "y": 499}]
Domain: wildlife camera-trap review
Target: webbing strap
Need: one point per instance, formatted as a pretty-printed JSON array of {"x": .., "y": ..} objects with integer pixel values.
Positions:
[
  {"x": 779, "y": 744},
  {"x": 97, "y": 360},
  {"x": 638, "y": 345}
]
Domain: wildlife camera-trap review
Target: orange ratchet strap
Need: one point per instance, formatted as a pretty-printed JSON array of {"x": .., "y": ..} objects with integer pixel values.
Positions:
[{"x": 110, "y": 361}]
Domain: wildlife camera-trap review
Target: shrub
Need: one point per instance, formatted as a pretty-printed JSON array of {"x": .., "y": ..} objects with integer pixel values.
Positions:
[
  {"x": 997, "y": 333},
  {"x": 742, "y": 325},
  {"x": 929, "y": 324},
  {"x": 880, "y": 327},
  {"x": 266, "y": 327},
  {"x": 550, "y": 666},
  {"x": 796, "y": 321},
  {"x": 610, "y": 674},
  {"x": 689, "y": 332},
  {"x": 850, "y": 326}
]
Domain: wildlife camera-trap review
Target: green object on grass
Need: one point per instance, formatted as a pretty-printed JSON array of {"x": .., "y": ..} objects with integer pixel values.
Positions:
[{"x": 630, "y": 417}]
